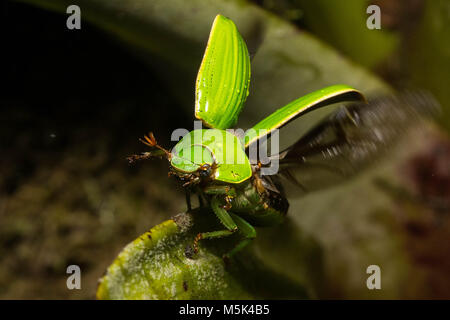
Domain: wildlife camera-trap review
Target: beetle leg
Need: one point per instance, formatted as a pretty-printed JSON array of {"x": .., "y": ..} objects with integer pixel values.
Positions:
[
  {"x": 223, "y": 215},
  {"x": 227, "y": 206},
  {"x": 137, "y": 157},
  {"x": 220, "y": 190},
  {"x": 192, "y": 181},
  {"x": 210, "y": 235},
  {"x": 257, "y": 182},
  {"x": 202, "y": 197},
  {"x": 200, "y": 201},
  {"x": 224, "y": 218},
  {"x": 247, "y": 230},
  {"x": 188, "y": 200},
  {"x": 228, "y": 191}
]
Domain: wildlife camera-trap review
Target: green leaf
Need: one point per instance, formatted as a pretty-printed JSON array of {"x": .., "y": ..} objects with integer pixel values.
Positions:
[{"x": 156, "y": 266}]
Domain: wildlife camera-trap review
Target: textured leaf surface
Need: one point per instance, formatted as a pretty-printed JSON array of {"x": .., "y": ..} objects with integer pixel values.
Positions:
[{"x": 155, "y": 266}]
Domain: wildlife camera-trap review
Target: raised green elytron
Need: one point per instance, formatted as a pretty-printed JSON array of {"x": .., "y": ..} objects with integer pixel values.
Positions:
[
  {"x": 214, "y": 164},
  {"x": 224, "y": 76}
]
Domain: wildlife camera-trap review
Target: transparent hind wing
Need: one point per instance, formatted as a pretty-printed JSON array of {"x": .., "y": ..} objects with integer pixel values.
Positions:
[{"x": 351, "y": 139}]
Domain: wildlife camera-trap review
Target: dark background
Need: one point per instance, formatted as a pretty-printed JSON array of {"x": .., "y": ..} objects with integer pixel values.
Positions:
[{"x": 72, "y": 107}]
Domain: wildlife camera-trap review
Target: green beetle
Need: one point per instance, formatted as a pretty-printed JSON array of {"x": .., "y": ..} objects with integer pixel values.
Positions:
[{"x": 214, "y": 163}]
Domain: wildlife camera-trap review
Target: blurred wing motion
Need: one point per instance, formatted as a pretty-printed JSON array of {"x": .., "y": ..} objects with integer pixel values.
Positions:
[{"x": 352, "y": 138}]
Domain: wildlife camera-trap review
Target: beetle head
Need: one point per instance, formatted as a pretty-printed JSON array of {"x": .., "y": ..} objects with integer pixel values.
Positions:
[{"x": 192, "y": 163}]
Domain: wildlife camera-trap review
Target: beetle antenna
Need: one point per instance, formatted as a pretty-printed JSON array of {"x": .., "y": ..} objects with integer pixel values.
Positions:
[
  {"x": 136, "y": 157},
  {"x": 150, "y": 140}
]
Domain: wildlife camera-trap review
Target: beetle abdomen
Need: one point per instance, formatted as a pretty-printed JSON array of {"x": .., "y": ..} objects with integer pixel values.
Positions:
[{"x": 266, "y": 209}]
